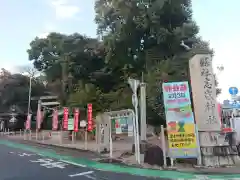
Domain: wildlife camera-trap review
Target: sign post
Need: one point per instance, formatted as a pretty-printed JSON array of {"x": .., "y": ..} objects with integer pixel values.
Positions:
[
  {"x": 233, "y": 91},
  {"x": 134, "y": 84},
  {"x": 122, "y": 122}
]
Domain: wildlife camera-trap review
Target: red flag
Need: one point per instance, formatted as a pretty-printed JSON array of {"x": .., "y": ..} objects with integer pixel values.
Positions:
[
  {"x": 39, "y": 119},
  {"x": 76, "y": 119},
  {"x": 65, "y": 118},
  {"x": 55, "y": 120},
  {"x": 28, "y": 122},
  {"x": 90, "y": 123}
]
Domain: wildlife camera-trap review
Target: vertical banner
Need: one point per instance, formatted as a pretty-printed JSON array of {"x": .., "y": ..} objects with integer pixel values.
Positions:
[
  {"x": 65, "y": 118},
  {"x": 38, "y": 119},
  {"x": 180, "y": 120},
  {"x": 76, "y": 119},
  {"x": 28, "y": 122},
  {"x": 55, "y": 120},
  {"x": 89, "y": 112}
]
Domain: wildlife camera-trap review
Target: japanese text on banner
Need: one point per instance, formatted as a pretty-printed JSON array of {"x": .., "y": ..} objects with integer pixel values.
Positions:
[
  {"x": 179, "y": 117},
  {"x": 90, "y": 123},
  {"x": 65, "y": 118},
  {"x": 76, "y": 119}
]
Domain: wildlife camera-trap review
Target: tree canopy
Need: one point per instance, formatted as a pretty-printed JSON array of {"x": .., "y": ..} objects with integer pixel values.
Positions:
[
  {"x": 14, "y": 90},
  {"x": 148, "y": 40}
]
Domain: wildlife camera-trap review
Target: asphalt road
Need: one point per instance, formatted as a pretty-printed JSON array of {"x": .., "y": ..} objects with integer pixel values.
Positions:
[{"x": 17, "y": 164}]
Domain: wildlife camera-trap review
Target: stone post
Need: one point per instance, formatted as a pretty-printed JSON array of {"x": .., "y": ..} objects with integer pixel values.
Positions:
[{"x": 216, "y": 149}]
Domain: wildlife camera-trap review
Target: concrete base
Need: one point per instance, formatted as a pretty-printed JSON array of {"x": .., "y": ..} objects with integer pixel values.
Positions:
[
  {"x": 219, "y": 156},
  {"x": 218, "y": 149}
]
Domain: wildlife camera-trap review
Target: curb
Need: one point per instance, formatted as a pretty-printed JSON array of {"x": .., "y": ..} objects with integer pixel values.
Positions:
[{"x": 119, "y": 169}]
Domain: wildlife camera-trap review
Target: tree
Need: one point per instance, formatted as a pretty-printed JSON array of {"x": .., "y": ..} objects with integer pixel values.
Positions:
[
  {"x": 146, "y": 36},
  {"x": 57, "y": 56},
  {"x": 139, "y": 39},
  {"x": 14, "y": 89}
]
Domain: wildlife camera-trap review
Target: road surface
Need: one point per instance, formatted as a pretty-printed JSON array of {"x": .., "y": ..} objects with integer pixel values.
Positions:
[{"x": 17, "y": 164}]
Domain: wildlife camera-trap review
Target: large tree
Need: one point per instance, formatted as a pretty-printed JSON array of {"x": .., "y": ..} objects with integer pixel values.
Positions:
[
  {"x": 73, "y": 64},
  {"x": 155, "y": 38},
  {"x": 145, "y": 39}
]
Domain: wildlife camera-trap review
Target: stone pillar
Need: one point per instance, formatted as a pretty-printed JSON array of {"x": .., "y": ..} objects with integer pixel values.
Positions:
[{"x": 216, "y": 149}]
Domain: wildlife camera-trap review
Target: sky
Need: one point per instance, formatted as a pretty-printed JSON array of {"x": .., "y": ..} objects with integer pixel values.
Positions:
[{"x": 22, "y": 20}]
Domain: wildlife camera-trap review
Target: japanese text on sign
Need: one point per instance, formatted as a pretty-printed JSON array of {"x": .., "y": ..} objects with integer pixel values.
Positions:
[
  {"x": 182, "y": 140},
  {"x": 176, "y": 93},
  {"x": 76, "y": 119},
  {"x": 210, "y": 105},
  {"x": 90, "y": 123},
  {"x": 65, "y": 118}
]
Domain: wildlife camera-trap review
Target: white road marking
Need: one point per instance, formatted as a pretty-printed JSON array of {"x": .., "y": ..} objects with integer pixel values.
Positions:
[
  {"x": 49, "y": 163},
  {"x": 76, "y": 164},
  {"x": 81, "y": 174},
  {"x": 25, "y": 154},
  {"x": 11, "y": 152}
]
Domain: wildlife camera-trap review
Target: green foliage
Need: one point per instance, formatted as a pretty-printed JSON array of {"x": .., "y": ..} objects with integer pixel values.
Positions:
[{"x": 14, "y": 89}]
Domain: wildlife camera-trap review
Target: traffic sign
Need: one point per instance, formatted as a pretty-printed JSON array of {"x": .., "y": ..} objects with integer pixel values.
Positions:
[{"x": 233, "y": 90}]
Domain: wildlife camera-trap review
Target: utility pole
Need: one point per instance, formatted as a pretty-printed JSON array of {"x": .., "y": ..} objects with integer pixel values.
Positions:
[
  {"x": 64, "y": 66},
  {"x": 143, "y": 111}
]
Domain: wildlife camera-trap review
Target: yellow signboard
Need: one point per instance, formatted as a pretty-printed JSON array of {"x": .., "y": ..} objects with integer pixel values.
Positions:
[{"x": 182, "y": 140}]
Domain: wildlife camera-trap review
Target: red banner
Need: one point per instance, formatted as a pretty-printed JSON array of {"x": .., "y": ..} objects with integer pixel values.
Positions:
[
  {"x": 90, "y": 123},
  {"x": 76, "y": 119},
  {"x": 39, "y": 119},
  {"x": 28, "y": 122},
  {"x": 55, "y": 120},
  {"x": 65, "y": 118}
]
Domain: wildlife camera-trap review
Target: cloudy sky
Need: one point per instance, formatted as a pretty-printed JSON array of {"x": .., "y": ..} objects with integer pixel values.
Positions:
[{"x": 22, "y": 20}]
